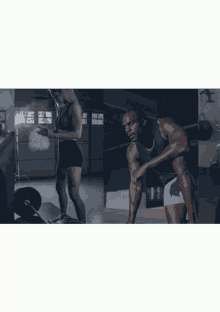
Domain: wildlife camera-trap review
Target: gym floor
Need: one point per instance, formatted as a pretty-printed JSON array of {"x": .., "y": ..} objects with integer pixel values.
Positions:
[
  {"x": 144, "y": 216},
  {"x": 91, "y": 191},
  {"x": 116, "y": 210}
]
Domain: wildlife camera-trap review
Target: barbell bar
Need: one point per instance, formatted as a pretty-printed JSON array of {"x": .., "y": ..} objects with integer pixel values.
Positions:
[{"x": 202, "y": 131}]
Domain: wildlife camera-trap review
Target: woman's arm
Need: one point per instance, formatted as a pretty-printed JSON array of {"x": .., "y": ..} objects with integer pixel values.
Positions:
[{"x": 76, "y": 113}]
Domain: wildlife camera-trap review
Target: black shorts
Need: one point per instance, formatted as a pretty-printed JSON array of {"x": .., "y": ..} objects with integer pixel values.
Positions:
[{"x": 69, "y": 154}]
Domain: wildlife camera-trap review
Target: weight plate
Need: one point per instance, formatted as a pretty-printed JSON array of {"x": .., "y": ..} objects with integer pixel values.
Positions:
[{"x": 23, "y": 194}]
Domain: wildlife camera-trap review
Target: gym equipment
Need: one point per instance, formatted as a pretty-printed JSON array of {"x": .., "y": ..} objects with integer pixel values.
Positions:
[
  {"x": 27, "y": 202},
  {"x": 201, "y": 131},
  {"x": 214, "y": 170}
]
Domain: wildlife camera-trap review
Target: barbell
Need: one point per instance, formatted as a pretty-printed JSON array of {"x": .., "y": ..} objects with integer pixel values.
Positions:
[
  {"x": 27, "y": 202},
  {"x": 214, "y": 171},
  {"x": 202, "y": 131}
]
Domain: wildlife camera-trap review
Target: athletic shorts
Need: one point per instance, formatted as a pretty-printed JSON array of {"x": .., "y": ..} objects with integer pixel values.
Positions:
[
  {"x": 69, "y": 154},
  {"x": 172, "y": 199}
]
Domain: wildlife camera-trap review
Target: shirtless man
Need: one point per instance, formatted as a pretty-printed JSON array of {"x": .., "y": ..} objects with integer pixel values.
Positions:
[{"x": 161, "y": 145}]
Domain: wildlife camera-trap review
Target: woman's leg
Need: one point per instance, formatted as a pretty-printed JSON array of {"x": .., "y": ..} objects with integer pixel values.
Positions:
[
  {"x": 74, "y": 179},
  {"x": 61, "y": 188}
]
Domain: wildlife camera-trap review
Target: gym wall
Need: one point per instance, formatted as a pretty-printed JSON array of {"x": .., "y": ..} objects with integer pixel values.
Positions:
[
  {"x": 43, "y": 163},
  {"x": 209, "y": 204},
  {"x": 209, "y": 108},
  {"x": 7, "y": 103},
  {"x": 34, "y": 164},
  {"x": 91, "y": 142},
  {"x": 7, "y": 157},
  {"x": 7, "y": 178}
]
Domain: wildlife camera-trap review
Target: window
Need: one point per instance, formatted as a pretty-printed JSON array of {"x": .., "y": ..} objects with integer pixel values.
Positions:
[
  {"x": 45, "y": 117},
  {"x": 97, "y": 119},
  {"x": 84, "y": 119},
  {"x": 22, "y": 117}
]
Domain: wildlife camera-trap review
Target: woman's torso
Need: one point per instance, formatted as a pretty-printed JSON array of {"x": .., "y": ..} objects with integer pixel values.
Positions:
[{"x": 64, "y": 121}]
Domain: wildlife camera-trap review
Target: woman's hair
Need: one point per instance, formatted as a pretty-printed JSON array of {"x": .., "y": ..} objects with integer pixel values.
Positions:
[
  {"x": 55, "y": 93},
  {"x": 68, "y": 94}
]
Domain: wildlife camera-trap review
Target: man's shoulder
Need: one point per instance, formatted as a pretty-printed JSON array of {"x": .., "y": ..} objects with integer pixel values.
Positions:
[
  {"x": 131, "y": 146},
  {"x": 165, "y": 120}
]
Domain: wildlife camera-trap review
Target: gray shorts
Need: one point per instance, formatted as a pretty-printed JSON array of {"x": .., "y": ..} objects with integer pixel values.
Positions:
[{"x": 172, "y": 199}]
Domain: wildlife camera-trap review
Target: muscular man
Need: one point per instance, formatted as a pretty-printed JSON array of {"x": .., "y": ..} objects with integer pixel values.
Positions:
[{"x": 161, "y": 145}]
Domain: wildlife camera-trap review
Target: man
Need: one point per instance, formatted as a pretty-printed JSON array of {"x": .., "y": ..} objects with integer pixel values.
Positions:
[{"x": 161, "y": 145}]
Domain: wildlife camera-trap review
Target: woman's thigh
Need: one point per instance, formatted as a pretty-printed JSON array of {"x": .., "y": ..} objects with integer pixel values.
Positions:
[
  {"x": 61, "y": 175},
  {"x": 74, "y": 176}
]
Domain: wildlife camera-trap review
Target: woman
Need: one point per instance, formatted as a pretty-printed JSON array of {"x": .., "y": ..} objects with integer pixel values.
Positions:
[{"x": 68, "y": 129}]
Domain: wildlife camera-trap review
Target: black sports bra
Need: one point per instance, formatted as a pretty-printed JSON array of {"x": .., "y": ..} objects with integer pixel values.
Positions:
[{"x": 64, "y": 121}]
